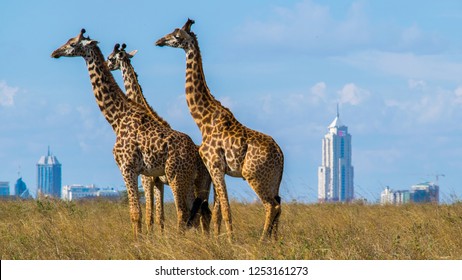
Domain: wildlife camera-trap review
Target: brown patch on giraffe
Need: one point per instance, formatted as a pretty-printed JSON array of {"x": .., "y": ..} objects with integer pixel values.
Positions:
[
  {"x": 228, "y": 147},
  {"x": 141, "y": 147},
  {"x": 119, "y": 59}
]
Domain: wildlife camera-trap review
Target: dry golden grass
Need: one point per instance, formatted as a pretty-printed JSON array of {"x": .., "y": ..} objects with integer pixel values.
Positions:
[{"x": 101, "y": 230}]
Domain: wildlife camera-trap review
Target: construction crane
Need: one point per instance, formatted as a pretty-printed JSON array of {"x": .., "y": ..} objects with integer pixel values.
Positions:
[{"x": 437, "y": 177}]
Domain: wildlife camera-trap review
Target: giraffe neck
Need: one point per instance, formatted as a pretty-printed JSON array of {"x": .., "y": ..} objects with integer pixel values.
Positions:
[
  {"x": 109, "y": 97},
  {"x": 202, "y": 104},
  {"x": 134, "y": 91}
]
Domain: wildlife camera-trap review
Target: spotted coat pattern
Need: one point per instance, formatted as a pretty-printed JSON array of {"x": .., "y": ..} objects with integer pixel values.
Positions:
[
  {"x": 119, "y": 59},
  {"x": 228, "y": 147},
  {"x": 142, "y": 146}
]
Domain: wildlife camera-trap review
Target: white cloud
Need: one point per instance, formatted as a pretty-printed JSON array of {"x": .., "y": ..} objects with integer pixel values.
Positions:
[
  {"x": 411, "y": 35},
  {"x": 430, "y": 108},
  {"x": 308, "y": 26},
  {"x": 352, "y": 94},
  {"x": 7, "y": 94},
  {"x": 407, "y": 65},
  {"x": 434, "y": 105},
  {"x": 458, "y": 95},
  {"x": 318, "y": 91},
  {"x": 417, "y": 84},
  {"x": 298, "y": 101}
]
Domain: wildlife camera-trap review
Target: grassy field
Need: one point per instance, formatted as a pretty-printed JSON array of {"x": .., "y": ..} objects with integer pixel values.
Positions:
[{"x": 101, "y": 230}]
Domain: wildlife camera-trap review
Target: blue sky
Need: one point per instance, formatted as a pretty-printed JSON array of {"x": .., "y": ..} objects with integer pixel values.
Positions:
[{"x": 394, "y": 67}]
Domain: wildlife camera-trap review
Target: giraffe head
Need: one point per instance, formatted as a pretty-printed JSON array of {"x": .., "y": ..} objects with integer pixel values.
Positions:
[
  {"x": 180, "y": 37},
  {"x": 74, "y": 46},
  {"x": 119, "y": 55}
]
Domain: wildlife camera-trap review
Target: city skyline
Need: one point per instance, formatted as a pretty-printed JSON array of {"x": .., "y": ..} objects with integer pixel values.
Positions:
[{"x": 394, "y": 67}]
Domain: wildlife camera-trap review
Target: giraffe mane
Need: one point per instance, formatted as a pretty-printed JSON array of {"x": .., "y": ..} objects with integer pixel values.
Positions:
[
  {"x": 196, "y": 43},
  {"x": 145, "y": 106}
]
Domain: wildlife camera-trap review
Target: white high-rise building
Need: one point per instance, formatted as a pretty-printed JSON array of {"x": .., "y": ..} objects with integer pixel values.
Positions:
[
  {"x": 389, "y": 196},
  {"x": 335, "y": 175}
]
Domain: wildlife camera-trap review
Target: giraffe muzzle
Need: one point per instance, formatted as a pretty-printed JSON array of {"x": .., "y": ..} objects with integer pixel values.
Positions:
[{"x": 161, "y": 42}]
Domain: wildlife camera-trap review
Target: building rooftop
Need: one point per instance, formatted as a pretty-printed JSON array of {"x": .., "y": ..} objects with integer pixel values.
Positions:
[
  {"x": 336, "y": 122},
  {"x": 49, "y": 159}
]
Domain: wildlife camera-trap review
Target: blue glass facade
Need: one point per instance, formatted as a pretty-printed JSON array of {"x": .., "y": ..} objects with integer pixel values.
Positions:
[
  {"x": 20, "y": 189},
  {"x": 425, "y": 193},
  {"x": 4, "y": 188},
  {"x": 49, "y": 176}
]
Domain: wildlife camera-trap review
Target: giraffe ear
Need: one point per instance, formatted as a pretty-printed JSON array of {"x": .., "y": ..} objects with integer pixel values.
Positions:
[
  {"x": 132, "y": 53},
  {"x": 86, "y": 42},
  {"x": 187, "y": 26}
]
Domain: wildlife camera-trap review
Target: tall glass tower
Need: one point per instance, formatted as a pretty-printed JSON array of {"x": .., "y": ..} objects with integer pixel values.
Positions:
[
  {"x": 49, "y": 176},
  {"x": 335, "y": 175},
  {"x": 20, "y": 189}
]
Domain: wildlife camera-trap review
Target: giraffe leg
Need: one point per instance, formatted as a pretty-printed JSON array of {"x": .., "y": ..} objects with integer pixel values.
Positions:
[
  {"x": 220, "y": 188},
  {"x": 216, "y": 214},
  {"x": 148, "y": 185},
  {"x": 273, "y": 211},
  {"x": 181, "y": 206},
  {"x": 159, "y": 198},
  {"x": 221, "y": 209},
  {"x": 131, "y": 183},
  {"x": 272, "y": 206},
  {"x": 275, "y": 224}
]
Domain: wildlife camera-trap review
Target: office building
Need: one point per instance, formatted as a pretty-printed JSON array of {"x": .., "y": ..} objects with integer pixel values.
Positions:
[
  {"x": 335, "y": 175},
  {"x": 4, "y": 188},
  {"x": 49, "y": 176},
  {"x": 79, "y": 192},
  {"x": 389, "y": 196},
  {"x": 20, "y": 189},
  {"x": 425, "y": 193}
]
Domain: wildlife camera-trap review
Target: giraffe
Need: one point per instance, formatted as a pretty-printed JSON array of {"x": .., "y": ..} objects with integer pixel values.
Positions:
[
  {"x": 119, "y": 59},
  {"x": 142, "y": 146},
  {"x": 228, "y": 147}
]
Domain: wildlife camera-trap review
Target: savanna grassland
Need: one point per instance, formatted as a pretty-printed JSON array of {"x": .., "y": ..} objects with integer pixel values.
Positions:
[{"x": 102, "y": 230}]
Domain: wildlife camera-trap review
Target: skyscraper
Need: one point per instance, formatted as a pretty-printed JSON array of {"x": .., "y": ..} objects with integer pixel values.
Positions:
[
  {"x": 20, "y": 189},
  {"x": 49, "y": 176},
  {"x": 335, "y": 175}
]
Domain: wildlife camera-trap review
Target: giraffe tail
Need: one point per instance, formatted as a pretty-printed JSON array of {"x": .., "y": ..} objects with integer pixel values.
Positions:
[
  {"x": 198, "y": 204},
  {"x": 205, "y": 210},
  {"x": 278, "y": 199}
]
